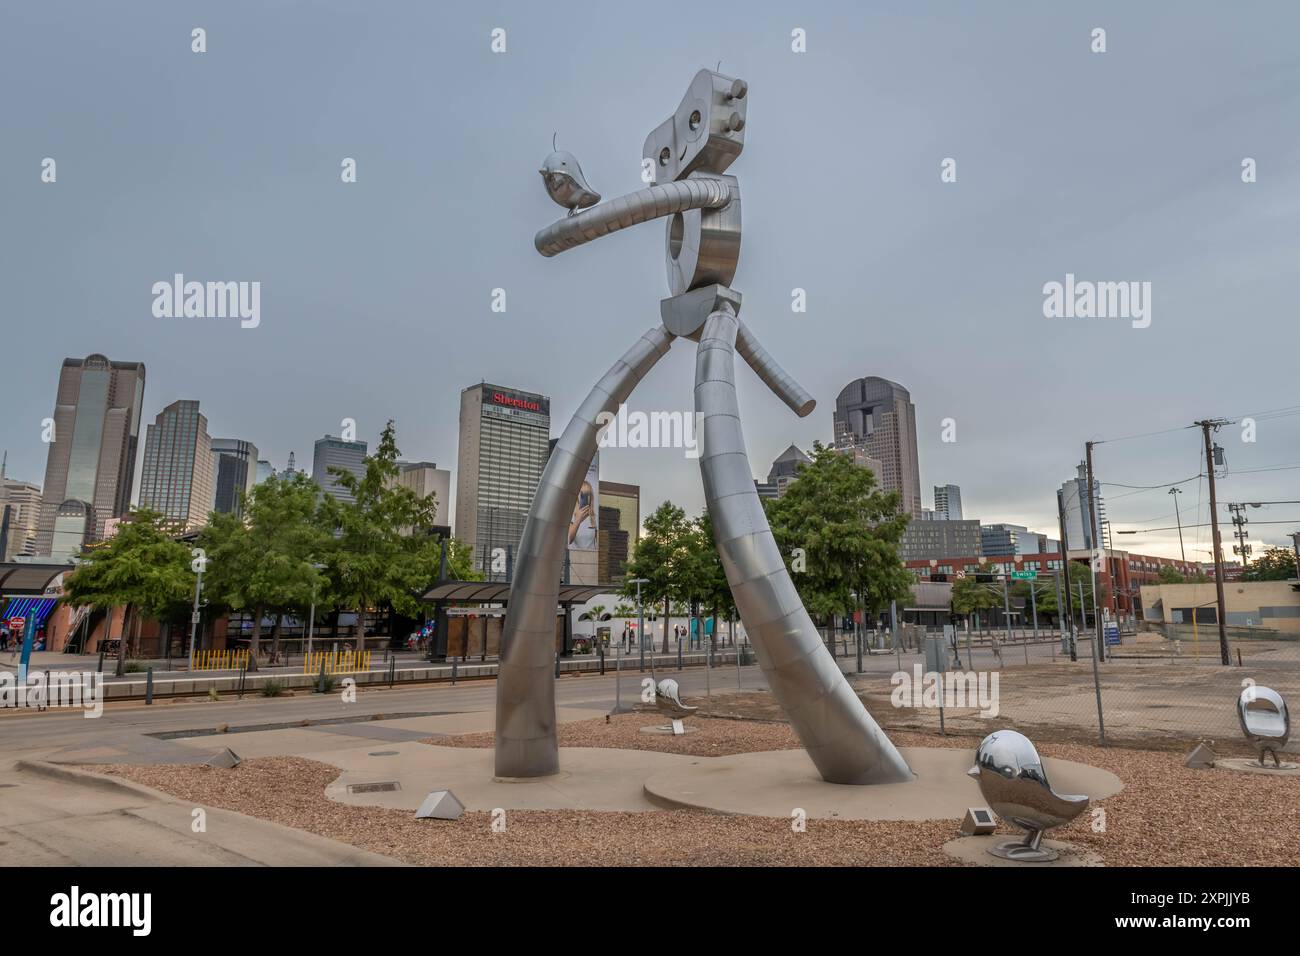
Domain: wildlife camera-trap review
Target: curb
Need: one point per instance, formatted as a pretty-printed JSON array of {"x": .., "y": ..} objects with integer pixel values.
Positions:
[{"x": 89, "y": 778}]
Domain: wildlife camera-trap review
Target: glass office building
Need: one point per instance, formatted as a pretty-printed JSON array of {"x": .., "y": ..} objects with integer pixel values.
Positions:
[
  {"x": 234, "y": 472},
  {"x": 90, "y": 467},
  {"x": 177, "y": 476}
]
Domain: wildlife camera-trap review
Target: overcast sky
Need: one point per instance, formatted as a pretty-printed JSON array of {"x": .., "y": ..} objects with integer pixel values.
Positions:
[{"x": 1123, "y": 165}]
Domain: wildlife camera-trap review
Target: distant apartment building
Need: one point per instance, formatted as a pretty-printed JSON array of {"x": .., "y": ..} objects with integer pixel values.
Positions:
[
  {"x": 264, "y": 471},
  {"x": 234, "y": 473},
  {"x": 177, "y": 476},
  {"x": 20, "y": 511},
  {"x": 331, "y": 452},
  {"x": 923, "y": 540},
  {"x": 1010, "y": 539},
  {"x": 1122, "y": 580},
  {"x": 90, "y": 466},
  {"x": 878, "y": 417},
  {"x": 947, "y": 502},
  {"x": 1001, "y": 540},
  {"x": 504, "y": 444}
]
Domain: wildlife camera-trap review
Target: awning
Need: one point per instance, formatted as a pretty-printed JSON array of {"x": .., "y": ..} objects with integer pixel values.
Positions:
[
  {"x": 498, "y": 592},
  {"x": 22, "y": 579}
]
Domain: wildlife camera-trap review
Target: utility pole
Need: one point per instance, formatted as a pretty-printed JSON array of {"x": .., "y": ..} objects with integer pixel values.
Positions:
[
  {"x": 1176, "y": 491},
  {"x": 1240, "y": 521},
  {"x": 1065, "y": 570},
  {"x": 1295, "y": 543},
  {"x": 1096, "y": 543},
  {"x": 1206, "y": 425}
]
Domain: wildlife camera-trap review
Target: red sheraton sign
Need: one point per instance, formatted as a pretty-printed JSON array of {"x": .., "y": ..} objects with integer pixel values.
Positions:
[{"x": 515, "y": 401}]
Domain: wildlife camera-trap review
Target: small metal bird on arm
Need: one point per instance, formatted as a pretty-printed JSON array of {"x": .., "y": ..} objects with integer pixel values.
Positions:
[{"x": 565, "y": 183}]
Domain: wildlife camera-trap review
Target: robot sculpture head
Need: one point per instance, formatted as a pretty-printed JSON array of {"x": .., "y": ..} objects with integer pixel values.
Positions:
[
  {"x": 706, "y": 133},
  {"x": 1012, "y": 778},
  {"x": 1265, "y": 720},
  {"x": 701, "y": 140},
  {"x": 565, "y": 183}
]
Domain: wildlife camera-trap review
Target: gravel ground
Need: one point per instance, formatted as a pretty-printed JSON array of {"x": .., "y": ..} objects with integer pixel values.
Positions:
[
  {"x": 1166, "y": 815},
  {"x": 714, "y": 737}
]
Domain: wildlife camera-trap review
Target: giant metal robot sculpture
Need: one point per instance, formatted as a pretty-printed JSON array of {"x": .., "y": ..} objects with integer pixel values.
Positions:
[{"x": 689, "y": 154}]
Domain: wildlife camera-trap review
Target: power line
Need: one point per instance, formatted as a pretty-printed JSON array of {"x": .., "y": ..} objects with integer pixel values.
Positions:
[{"x": 1295, "y": 521}]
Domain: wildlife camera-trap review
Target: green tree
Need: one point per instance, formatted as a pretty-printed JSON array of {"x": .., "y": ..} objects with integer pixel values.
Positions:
[
  {"x": 970, "y": 596},
  {"x": 1170, "y": 575},
  {"x": 264, "y": 561},
  {"x": 709, "y": 579},
  {"x": 378, "y": 552},
  {"x": 1275, "y": 564},
  {"x": 840, "y": 536},
  {"x": 664, "y": 556},
  {"x": 141, "y": 568}
]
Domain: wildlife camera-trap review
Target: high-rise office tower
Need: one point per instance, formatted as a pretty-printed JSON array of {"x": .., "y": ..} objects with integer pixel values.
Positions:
[
  {"x": 947, "y": 502},
  {"x": 334, "y": 452},
  {"x": 234, "y": 471},
  {"x": 177, "y": 476},
  {"x": 93, "y": 443},
  {"x": 1073, "y": 498},
  {"x": 878, "y": 417},
  {"x": 504, "y": 443}
]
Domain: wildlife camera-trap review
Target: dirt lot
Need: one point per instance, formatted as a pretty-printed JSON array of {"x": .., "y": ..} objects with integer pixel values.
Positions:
[{"x": 1158, "y": 705}]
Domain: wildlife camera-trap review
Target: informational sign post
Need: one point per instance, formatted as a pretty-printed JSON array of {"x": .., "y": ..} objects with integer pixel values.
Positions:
[{"x": 29, "y": 635}]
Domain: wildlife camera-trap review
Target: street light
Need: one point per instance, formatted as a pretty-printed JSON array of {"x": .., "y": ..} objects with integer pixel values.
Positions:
[
  {"x": 311, "y": 618},
  {"x": 1176, "y": 491},
  {"x": 197, "y": 566},
  {"x": 640, "y": 636},
  {"x": 640, "y": 620}
]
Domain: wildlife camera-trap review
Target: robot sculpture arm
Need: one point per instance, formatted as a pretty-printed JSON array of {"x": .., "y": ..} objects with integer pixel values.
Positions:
[{"x": 655, "y": 202}]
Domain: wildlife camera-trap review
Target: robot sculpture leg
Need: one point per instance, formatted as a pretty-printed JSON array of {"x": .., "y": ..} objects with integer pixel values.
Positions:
[
  {"x": 841, "y": 738},
  {"x": 525, "y": 721}
]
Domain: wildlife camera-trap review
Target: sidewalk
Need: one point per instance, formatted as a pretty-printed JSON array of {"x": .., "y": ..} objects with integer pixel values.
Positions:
[{"x": 65, "y": 817}]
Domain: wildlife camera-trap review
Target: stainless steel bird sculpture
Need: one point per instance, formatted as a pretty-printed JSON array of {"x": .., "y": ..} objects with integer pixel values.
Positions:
[{"x": 565, "y": 183}]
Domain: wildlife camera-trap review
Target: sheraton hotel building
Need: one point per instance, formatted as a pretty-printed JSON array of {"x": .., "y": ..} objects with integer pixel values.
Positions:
[{"x": 504, "y": 443}]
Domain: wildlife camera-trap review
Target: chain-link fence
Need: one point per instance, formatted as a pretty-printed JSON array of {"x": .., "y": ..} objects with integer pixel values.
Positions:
[{"x": 1159, "y": 686}]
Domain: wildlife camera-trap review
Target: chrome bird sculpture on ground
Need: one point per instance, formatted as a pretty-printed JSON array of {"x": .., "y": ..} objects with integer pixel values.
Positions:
[
  {"x": 685, "y": 160},
  {"x": 1014, "y": 782},
  {"x": 1265, "y": 721}
]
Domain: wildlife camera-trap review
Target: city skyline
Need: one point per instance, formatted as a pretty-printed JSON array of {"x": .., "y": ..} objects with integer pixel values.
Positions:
[{"x": 367, "y": 313}]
